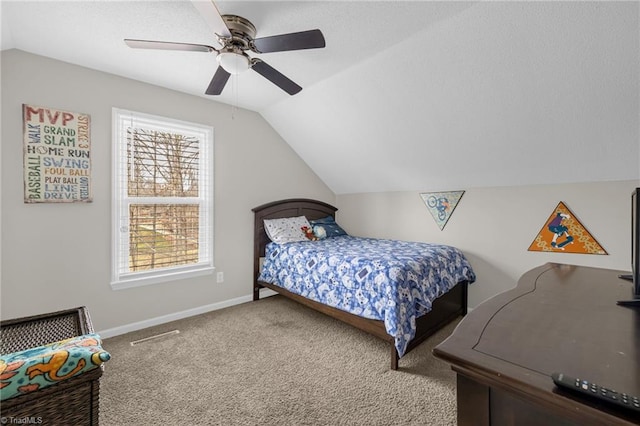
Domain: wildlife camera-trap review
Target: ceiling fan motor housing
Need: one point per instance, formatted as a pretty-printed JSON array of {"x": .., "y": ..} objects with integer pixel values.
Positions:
[{"x": 242, "y": 32}]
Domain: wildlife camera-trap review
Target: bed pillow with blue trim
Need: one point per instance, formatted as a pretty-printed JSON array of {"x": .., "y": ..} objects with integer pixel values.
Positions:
[
  {"x": 327, "y": 227},
  {"x": 286, "y": 230}
]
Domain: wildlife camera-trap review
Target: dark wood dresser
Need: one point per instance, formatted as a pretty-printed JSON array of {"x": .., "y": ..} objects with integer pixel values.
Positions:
[{"x": 559, "y": 318}]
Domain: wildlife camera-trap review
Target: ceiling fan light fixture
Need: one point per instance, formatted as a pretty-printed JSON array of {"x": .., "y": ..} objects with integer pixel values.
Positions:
[{"x": 233, "y": 63}]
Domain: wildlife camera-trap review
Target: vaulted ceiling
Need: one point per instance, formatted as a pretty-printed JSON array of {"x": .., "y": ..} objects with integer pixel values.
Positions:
[{"x": 415, "y": 95}]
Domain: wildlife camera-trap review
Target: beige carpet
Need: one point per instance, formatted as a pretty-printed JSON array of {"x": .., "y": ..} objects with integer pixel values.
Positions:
[{"x": 271, "y": 362}]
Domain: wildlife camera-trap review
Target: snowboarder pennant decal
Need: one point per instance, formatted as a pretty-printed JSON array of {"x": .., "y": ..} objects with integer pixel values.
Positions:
[
  {"x": 441, "y": 205},
  {"x": 564, "y": 233}
]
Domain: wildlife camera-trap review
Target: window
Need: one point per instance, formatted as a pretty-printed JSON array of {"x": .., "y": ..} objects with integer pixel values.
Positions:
[{"x": 162, "y": 199}]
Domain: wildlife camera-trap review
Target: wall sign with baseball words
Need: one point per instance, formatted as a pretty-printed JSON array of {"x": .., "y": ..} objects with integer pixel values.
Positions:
[{"x": 57, "y": 155}]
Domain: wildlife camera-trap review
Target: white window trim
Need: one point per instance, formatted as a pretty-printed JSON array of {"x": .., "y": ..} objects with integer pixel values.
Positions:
[{"x": 120, "y": 203}]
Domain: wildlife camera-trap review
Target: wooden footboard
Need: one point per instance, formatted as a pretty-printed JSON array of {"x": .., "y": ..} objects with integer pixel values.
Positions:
[{"x": 445, "y": 309}]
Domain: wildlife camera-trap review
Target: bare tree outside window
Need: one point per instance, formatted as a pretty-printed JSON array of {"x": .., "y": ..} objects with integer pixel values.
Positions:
[{"x": 162, "y": 164}]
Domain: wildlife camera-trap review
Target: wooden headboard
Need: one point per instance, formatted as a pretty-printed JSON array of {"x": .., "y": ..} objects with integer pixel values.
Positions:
[{"x": 292, "y": 207}]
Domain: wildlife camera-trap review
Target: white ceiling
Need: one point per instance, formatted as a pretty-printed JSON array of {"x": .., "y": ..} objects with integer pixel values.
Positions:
[{"x": 407, "y": 95}]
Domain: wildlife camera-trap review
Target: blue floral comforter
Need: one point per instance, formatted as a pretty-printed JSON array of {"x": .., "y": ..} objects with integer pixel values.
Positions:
[{"x": 388, "y": 280}]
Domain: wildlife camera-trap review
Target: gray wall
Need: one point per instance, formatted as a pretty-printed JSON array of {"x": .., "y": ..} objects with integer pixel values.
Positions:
[
  {"x": 57, "y": 256},
  {"x": 495, "y": 226}
]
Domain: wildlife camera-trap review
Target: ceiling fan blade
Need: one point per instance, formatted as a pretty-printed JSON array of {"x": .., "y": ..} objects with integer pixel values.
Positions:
[
  {"x": 275, "y": 77},
  {"x": 218, "y": 82},
  {"x": 211, "y": 15},
  {"x": 311, "y": 39},
  {"x": 167, "y": 45}
]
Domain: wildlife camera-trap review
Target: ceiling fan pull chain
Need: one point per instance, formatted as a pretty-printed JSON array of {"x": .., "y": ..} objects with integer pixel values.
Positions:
[{"x": 234, "y": 103}]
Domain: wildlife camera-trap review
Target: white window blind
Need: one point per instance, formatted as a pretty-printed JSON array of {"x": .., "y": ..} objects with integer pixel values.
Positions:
[{"x": 162, "y": 199}]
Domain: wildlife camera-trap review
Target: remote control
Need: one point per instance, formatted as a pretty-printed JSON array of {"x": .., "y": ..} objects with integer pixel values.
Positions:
[{"x": 601, "y": 393}]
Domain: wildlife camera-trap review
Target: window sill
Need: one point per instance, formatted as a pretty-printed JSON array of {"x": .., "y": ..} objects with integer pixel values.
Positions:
[{"x": 140, "y": 280}]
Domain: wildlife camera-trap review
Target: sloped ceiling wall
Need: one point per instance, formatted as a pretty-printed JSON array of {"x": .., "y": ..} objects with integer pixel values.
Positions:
[
  {"x": 502, "y": 93},
  {"x": 418, "y": 95}
]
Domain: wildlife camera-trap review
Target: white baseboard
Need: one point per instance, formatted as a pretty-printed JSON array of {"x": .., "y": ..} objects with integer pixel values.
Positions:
[{"x": 116, "y": 331}]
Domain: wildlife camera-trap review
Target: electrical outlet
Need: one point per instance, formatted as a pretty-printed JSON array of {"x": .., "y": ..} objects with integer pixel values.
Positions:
[{"x": 220, "y": 277}]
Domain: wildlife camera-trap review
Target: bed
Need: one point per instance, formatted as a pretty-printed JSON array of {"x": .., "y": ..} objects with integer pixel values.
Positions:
[{"x": 406, "y": 324}]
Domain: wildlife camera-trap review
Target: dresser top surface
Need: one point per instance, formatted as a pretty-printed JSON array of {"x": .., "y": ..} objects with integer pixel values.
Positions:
[{"x": 559, "y": 318}]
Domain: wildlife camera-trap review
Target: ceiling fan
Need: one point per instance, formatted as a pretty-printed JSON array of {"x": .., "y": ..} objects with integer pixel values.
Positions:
[{"x": 236, "y": 35}]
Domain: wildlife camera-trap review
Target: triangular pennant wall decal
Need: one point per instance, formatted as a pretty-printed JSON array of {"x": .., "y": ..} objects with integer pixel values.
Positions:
[
  {"x": 441, "y": 205},
  {"x": 564, "y": 233}
]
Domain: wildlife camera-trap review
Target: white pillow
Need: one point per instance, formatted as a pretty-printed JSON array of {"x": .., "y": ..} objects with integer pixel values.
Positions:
[{"x": 286, "y": 230}]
